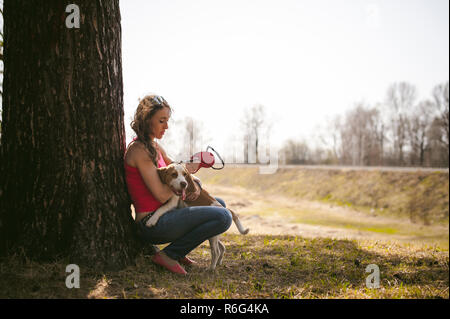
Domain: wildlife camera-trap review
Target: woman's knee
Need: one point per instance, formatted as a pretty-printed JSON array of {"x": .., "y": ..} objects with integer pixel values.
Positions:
[{"x": 227, "y": 219}]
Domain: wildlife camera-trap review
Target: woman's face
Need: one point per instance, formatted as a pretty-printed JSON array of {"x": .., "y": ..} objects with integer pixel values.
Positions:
[{"x": 159, "y": 123}]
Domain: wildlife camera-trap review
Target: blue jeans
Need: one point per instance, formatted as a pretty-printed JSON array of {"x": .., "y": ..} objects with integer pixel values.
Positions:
[{"x": 186, "y": 228}]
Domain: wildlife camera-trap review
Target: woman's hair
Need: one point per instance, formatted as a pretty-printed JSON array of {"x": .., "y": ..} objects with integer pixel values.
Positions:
[{"x": 147, "y": 107}]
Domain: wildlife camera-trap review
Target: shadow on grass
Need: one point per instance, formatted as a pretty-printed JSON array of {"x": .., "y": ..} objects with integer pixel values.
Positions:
[{"x": 254, "y": 267}]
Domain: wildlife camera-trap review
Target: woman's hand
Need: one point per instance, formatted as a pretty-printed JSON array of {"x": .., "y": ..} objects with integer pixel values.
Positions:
[{"x": 194, "y": 195}]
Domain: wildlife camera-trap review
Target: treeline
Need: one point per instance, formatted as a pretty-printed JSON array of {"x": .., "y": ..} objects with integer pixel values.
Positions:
[{"x": 400, "y": 131}]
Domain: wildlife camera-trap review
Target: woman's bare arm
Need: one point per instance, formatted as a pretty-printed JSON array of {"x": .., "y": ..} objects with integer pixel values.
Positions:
[
  {"x": 150, "y": 176},
  {"x": 166, "y": 158}
]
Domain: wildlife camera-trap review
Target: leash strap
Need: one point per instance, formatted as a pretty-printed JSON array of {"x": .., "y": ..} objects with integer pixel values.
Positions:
[{"x": 223, "y": 162}]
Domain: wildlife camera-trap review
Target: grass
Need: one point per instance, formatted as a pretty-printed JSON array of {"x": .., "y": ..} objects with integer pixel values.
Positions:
[
  {"x": 407, "y": 211},
  {"x": 254, "y": 267},
  {"x": 322, "y": 218},
  {"x": 319, "y": 214},
  {"x": 406, "y": 206}
]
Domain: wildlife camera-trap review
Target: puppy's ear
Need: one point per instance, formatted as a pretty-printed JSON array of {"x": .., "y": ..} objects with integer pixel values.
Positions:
[
  {"x": 162, "y": 172},
  {"x": 191, "y": 187}
]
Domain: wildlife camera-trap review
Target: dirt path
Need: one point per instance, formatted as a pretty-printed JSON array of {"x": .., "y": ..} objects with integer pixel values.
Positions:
[{"x": 282, "y": 219}]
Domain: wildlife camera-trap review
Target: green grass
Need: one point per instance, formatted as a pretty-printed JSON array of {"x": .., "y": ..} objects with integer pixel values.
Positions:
[
  {"x": 254, "y": 267},
  {"x": 381, "y": 230}
]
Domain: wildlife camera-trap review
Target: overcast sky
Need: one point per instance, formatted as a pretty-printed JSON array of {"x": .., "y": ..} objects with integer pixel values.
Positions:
[{"x": 305, "y": 61}]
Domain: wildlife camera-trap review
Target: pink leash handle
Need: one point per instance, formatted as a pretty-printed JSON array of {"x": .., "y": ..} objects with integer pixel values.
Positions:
[{"x": 206, "y": 159}]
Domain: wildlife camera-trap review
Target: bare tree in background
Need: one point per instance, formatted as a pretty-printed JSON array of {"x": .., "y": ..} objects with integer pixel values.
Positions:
[
  {"x": 190, "y": 135},
  {"x": 440, "y": 95},
  {"x": 254, "y": 122},
  {"x": 420, "y": 123},
  {"x": 334, "y": 129},
  {"x": 362, "y": 136},
  {"x": 330, "y": 138},
  {"x": 400, "y": 100},
  {"x": 376, "y": 137},
  {"x": 346, "y": 137},
  {"x": 193, "y": 137},
  {"x": 437, "y": 155},
  {"x": 296, "y": 152},
  {"x": 397, "y": 132}
]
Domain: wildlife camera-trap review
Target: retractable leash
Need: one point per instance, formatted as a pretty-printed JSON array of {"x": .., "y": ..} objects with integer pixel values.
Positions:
[
  {"x": 206, "y": 159},
  {"x": 223, "y": 162}
]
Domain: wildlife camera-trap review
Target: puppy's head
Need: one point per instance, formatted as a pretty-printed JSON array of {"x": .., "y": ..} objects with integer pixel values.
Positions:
[{"x": 177, "y": 178}]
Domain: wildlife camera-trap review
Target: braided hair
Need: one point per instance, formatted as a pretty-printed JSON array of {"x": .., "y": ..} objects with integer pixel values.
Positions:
[{"x": 147, "y": 107}]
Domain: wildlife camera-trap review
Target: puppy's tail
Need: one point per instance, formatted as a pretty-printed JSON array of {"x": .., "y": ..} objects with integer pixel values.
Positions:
[{"x": 238, "y": 223}]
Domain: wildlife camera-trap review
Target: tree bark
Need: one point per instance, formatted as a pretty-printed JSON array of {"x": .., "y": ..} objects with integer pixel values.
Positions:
[{"x": 63, "y": 191}]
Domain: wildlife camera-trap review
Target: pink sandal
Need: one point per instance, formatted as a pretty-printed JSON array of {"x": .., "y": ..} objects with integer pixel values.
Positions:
[{"x": 157, "y": 259}]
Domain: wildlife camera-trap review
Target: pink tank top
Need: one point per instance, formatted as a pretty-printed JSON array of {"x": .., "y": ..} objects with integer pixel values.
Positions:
[{"x": 143, "y": 200}]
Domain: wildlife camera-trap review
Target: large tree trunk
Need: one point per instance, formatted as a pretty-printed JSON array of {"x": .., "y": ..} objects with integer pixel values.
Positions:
[{"x": 63, "y": 191}]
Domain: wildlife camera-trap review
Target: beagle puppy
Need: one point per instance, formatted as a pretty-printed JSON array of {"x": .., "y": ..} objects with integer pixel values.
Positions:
[{"x": 180, "y": 182}]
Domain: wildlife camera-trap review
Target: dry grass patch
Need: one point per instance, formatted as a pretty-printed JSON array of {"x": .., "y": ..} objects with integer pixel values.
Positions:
[{"x": 422, "y": 197}]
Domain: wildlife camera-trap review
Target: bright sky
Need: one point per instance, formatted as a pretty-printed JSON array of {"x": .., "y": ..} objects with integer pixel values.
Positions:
[{"x": 305, "y": 61}]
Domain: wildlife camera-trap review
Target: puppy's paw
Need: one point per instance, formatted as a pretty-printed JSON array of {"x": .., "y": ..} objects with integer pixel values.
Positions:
[{"x": 151, "y": 222}]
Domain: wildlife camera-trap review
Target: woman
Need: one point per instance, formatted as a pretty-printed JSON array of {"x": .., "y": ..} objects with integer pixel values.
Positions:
[{"x": 184, "y": 228}]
